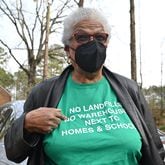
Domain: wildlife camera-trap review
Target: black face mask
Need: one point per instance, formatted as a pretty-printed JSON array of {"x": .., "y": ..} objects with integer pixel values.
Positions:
[{"x": 90, "y": 56}]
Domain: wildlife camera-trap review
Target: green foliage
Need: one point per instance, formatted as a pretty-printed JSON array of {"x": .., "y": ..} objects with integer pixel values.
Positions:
[
  {"x": 6, "y": 79},
  {"x": 21, "y": 85},
  {"x": 155, "y": 96},
  {"x": 3, "y": 57},
  {"x": 56, "y": 61}
]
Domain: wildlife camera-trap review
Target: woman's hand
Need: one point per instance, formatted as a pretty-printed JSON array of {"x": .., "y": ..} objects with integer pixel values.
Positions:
[{"x": 43, "y": 120}]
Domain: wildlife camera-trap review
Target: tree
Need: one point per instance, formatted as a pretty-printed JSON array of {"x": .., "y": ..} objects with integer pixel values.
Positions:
[
  {"x": 57, "y": 61},
  {"x": 6, "y": 79},
  {"x": 45, "y": 67},
  {"x": 80, "y": 3},
  {"x": 155, "y": 97},
  {"x": 21, "y": 85},
  {"x": 156, "y": 101},
  {"x": 3, "y": 57},
  {"x": 133, "y": 41},
  {"x": 28, "y": 28}
]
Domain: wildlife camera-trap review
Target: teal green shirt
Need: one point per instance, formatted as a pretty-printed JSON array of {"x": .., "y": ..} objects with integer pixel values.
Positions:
[{"x": 97, "y": 132}]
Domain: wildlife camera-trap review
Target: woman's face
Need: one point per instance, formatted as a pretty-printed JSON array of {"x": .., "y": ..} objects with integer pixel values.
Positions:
[{"x": 85, "y": 31}]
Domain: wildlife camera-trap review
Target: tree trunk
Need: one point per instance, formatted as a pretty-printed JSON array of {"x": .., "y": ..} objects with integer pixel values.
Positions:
[
  {"x": 45, "y": 69},
  {"x": 80, "y": 3},
  {"x": 32, "y": 75},
  {"x": 133, "y": 41}
]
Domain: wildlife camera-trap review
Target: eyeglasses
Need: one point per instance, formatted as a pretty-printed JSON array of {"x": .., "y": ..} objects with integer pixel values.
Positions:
[{"x": 82, "y": 38}]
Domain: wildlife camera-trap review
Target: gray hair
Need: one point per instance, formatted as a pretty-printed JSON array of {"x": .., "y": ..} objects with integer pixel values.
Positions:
[{"x": 79, "y": 15}]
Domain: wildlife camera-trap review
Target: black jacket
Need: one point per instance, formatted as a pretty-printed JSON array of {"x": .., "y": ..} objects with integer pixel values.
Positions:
[{"x": 20, "y": 144}]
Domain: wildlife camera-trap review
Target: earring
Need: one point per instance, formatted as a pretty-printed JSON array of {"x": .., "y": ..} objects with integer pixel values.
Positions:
[{"x": 68, "y": 60}]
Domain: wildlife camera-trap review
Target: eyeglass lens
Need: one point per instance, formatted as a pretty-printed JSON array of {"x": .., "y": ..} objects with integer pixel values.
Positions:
[{"x": 83, "y": 38}]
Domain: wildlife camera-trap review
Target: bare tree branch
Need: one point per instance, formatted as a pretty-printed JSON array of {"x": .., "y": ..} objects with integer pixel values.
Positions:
[
  {"x": 10, "y": 51},
  {"x": 58, "y": 15},
  {"x": 37, "y": 18},
  {"x": 32, "y": 34},
  {"x": 23, "y": 23}
]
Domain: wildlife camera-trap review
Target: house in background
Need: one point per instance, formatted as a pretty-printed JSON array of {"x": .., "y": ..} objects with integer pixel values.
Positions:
[{"x": 5, "y": 96}]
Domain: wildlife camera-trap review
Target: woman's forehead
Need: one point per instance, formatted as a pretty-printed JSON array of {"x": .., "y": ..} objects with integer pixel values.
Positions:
[{"x": 86, "y": 25}]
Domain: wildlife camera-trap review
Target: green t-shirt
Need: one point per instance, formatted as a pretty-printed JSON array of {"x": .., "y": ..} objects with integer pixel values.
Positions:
[{"x": 97, "y": 132}]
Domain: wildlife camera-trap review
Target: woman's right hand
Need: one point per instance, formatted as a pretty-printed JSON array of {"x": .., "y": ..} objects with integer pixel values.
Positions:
[{"x": 43, "y": 120}]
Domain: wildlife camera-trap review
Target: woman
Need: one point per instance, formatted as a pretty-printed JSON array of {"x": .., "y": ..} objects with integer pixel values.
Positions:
[{"x": 87, "y": 115}]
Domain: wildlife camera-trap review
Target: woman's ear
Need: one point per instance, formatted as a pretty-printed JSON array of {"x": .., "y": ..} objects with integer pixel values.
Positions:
[{"x": 66, "y": 48}]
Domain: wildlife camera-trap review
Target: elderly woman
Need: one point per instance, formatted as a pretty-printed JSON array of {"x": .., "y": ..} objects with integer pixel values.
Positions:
[{"x": 88, "y": 115}]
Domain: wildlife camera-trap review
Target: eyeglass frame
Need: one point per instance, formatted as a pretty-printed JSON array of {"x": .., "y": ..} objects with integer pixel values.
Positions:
[{"x": 89, "y": 37}]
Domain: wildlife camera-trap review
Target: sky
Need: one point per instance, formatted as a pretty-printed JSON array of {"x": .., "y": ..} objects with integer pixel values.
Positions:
[{"x": 150, "y": 38}]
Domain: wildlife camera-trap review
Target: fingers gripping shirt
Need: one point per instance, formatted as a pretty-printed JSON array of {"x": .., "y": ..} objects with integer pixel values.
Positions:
[{"x": 97, "y": 130}]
